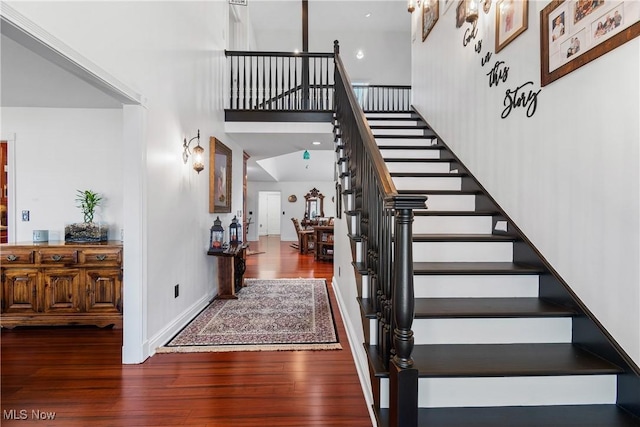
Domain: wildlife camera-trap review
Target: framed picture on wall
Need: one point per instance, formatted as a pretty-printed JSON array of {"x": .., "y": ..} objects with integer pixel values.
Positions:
[
  {"x": 512, "y": 19},
  {"x": 461, "y": 11},
  {"x": 430, "y": 15},
  {"x": 220, "y": 158},
  {"x": 574, "y": 33}
]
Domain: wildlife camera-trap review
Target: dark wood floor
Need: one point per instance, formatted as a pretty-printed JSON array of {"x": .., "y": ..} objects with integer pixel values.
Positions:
[{"x": 77, "y": 373}]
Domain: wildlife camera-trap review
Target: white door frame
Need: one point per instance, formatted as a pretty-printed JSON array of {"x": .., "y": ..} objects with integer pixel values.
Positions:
[{"x": 27, "y": 33}]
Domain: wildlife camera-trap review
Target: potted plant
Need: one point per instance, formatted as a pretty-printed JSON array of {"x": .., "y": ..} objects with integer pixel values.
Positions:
[{"x": 87, "y": 231}]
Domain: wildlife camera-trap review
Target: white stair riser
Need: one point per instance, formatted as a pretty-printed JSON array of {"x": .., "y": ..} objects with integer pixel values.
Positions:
[
  {"x": 405, "y": 142},
  {"x": 388, "y": 115},
  {"x": 417, "y": 167},
  {"x": 365, "y": 284},
  {"x": 409, "y": 153},
  {"x": 476, "y": 286},
  {"x": 511, "y": 391},
  {"x": 452, "y": 224},
  {"x": 450, "y": 202},
  {"x": 374, "y": 122},
  {"x": 492, "y": 330},
  {"x": 418, "y": 183},
  {"x": 391, "y": 131},
  {"x": 346, "y": 183},
  {"x": 463, "y": 251},
  {"x": 349, "y": 202}
]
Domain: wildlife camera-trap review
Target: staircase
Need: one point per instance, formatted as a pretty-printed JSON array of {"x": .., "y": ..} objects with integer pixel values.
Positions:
[{"x": 499, "y": 339}]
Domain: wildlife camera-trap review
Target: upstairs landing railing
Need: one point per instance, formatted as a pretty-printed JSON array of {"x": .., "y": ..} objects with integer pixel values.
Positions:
[
  {"x": 280, "y": 81},
  {"x": 286, "y": 81},
  {"x": 385, "y": 228}
]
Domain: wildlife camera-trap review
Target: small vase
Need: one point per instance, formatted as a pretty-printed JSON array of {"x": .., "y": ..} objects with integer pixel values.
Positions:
[{"x": 86, "y": 232}]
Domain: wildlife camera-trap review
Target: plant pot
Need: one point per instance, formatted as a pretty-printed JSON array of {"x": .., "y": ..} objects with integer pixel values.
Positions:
[{"x": 86, "y": 232}]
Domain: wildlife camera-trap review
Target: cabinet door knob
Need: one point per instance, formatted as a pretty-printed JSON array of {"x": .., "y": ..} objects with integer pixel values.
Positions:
[
  {"x": 101, "y": 257},
  {"x": 11, "y": 257},
  {"x": 56, "y": 257}
]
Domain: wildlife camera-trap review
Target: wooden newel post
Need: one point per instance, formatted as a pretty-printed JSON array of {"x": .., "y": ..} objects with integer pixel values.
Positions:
[
  {"x": 336, "y": 47},
  {"x": 403, "y": 377}
]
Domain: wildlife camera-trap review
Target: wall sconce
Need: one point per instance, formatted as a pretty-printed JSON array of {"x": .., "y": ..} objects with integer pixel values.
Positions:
[
  {"x": 198, "y": 153},
  {"x": 486, "y": 6},
  {"x": 471, "y": 11}
]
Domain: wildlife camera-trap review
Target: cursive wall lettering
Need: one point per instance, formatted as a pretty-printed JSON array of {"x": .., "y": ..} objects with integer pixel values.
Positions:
[
  {"x": 518, "y": 98},
  {"x": 469, "y": 34},
  {"x": 498, "y": 73},
  {"x": 484, "y": 61}
]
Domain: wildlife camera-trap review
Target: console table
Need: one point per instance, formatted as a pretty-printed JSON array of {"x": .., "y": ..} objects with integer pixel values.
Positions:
[
  {"x": 56, "y": 283},
  {"x": 231, "y": 267}
]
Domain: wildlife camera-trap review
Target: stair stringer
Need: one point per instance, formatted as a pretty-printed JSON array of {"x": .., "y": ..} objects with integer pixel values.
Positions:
[{"x": 587, "y": 332}]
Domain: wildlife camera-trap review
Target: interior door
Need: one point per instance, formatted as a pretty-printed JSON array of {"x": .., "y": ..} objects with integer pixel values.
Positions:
[
  {"x": 268, "y": 213},
  {"x": 273, "y": 209}
]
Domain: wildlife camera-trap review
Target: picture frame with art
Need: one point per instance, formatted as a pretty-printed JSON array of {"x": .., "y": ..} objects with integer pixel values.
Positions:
[
  {"x": 512, "y": 19},
  {"x": 461, "y": 10},
  {"x": 220, "y": 168},
  {"x": 574, "y": 33},
  {"x": 430, "y": 15}
]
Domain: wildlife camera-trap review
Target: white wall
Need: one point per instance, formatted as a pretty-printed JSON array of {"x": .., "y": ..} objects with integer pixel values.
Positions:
[
  {"x": 60, "y": 151},
  {"x": 568, "y": 176},
  {"x": 173, "y": 54},
  {"x": 291, "y": 210}
]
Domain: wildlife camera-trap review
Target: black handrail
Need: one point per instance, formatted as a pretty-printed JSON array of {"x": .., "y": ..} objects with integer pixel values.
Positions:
[{"x": 385, "y": 229}]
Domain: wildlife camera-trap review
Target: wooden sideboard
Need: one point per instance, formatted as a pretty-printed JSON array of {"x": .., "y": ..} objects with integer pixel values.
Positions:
[{"x": 61, "y": 284}]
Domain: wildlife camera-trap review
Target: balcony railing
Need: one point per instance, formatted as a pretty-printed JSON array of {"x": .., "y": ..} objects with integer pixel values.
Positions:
[
  {"x": 299, "y": 82},
  {"x": 280, "y": 81}
]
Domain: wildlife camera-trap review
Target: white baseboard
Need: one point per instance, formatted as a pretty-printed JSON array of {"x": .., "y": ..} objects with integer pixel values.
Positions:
[
  {"x": 168, "y": 332},
  {"x": 358, "y": 353}
]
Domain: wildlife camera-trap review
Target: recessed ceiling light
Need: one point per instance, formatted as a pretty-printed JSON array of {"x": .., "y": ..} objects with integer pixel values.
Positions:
[
  {"x": 360, "y": 54},
  {"x": 316, "y": 142},
  {"x": 368, "y": 15}
]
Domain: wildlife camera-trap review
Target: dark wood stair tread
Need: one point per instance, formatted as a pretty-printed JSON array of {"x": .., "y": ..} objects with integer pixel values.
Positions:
[
  {"x": 422, "y": 268},
  {"x": 410, "y": 147},
  {"x": 428, "y": 134},
  {"x": 415, "y": 160},
  {"x": 414, "y": 126},
  {"x": 428, "y": 308},
  {"x": 462, "y": 238},
  {"x": 428, "y": 174},
  {"x": 440, "y": 192},
  {"x": 501, "y": 360},
  {"x": 523, "y": 416},
  {"x": 429, "y": 212},
  {"x": 488, "y": 308}
]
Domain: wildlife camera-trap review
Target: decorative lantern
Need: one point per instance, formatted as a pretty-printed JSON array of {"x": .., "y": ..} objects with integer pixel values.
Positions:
[
  {"x": 217, "y": 236},
  {"x": 234, "y": 234}
]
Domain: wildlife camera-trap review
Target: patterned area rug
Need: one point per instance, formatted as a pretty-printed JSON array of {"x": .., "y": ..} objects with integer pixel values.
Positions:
[{"x": 269, "y": 315}]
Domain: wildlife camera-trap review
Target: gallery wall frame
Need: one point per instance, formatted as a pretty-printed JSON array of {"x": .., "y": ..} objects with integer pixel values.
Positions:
[
  {"x": 512, "y": 19},
  {"x": 220, "y": 164},
  {"x": 574, "y": 33},
  {"x": 430, "y": 15}
]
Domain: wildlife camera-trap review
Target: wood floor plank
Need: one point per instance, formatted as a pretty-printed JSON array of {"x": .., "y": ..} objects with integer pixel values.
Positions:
[{"x": 77, "y": 373}]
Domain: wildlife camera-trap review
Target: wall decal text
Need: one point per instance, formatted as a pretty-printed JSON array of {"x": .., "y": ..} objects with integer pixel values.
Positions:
[
  {"x": 498, "y": 73},
  {"x": 519, "y": 98}
]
